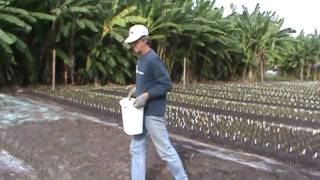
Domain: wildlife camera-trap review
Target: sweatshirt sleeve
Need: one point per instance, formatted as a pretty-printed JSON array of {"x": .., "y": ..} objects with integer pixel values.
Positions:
[{"x": 162, "y": 78}]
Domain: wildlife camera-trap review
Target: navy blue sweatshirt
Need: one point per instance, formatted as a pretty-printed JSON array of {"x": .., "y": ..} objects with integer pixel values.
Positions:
[{"x": 153, "y": 77}]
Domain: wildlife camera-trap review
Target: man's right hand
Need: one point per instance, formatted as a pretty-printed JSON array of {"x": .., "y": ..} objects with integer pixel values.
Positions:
[{"x": 132, "y": 92}]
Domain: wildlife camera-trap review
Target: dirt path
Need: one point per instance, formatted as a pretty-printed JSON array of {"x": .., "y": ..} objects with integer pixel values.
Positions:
[{"x": 42, "y": 140}]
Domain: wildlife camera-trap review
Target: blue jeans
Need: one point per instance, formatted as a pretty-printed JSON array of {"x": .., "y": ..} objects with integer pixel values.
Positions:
[{"x": 155, "y": 127}]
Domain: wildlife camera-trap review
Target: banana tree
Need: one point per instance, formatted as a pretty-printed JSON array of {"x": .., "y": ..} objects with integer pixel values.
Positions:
[
  {"x": 14, "y": 24},
  {"x": 108, "y": 57},
  {"x": 73, "y": 17},
  {"x": 261, "y": 34},
  {"x": 308, "y": 50},
  {"x": 184, "y": 30}
]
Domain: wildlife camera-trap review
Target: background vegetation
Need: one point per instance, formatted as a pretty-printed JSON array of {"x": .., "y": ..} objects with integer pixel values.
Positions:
[{"x": 87, "y": 36}]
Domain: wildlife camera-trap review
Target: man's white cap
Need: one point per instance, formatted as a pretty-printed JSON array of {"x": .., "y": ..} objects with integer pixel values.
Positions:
[{"x": 136, "y": 32}]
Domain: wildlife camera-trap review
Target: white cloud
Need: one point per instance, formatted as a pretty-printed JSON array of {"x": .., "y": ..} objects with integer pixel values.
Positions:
[{"x": 298, "y": 14}]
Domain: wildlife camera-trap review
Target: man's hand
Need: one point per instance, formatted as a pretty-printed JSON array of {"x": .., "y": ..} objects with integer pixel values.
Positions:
[
  {"x": 141, "y": 100},
  {"x": 132, "y": 92}
]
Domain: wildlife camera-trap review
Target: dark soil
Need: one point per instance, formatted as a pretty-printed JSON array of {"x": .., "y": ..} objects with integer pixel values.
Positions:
[
  {"x": 292, "y": 158},
  {"x": 80, "y": 148}
]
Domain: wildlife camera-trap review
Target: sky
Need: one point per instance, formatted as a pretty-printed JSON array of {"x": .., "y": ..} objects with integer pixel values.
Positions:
[{"x": 297, "y": 14}]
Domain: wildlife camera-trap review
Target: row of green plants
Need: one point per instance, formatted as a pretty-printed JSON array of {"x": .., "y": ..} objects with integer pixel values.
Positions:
[
  {"x": 232, "y": 93},
  {"x": 278, "y": 114},
  {"x": 291, "y": 142},
  {"x": 241, "y": 96},
  {"x": 281, "y": 89},
  {"x": 93, "y": 101},
  {"x": 86, "y": 38},
  {"x": 296, "y": 114},
  {"x": 251, "y": 134}
]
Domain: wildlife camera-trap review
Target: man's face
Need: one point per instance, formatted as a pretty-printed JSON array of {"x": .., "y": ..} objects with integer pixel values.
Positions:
[{"x": 138, "y": 46}]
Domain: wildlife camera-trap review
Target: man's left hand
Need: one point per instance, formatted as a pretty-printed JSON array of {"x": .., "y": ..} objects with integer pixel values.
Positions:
[{"x": 141, "y": 100}]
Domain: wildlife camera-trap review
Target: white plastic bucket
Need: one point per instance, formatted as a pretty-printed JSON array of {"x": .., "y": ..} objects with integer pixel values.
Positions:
[{"x": 132, "y": 117}]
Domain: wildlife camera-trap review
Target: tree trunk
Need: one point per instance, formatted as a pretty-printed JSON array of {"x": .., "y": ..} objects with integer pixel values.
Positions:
[
  {"x": 244, "y": 74},
  {"x": 71, "y": 54},
  {"x": 251, "y": 74},
  {"x": 315, "y": 71},
  {"x": 302, "y": 72},
  {"x": 232, "y": 67},
  {"x": 96, "y": 80},
  {"x": 47, "y": 43},
  {"x": 184, "y": 71},
  {"x": 46, "y": 53},
  {"x": 233, "y": 72},
  {"x": 315, "y": 75},
  {"x": 72, "y": 75},
  {"x": 260, "y": 59},
  {"x": 309, "y": 71},
  {"x": 65, "y": 74},
  {"x": 53, "y": 69},
  {"x": 188, "y": 69},
  {"x": 261, "y": 71}
]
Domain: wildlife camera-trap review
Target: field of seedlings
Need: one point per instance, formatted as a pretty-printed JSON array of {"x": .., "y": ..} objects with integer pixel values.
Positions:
[{"x": 280, "y": 120}]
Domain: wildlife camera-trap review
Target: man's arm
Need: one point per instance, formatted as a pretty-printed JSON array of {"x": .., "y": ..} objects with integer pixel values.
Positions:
[{"x": 162, "y": 77}]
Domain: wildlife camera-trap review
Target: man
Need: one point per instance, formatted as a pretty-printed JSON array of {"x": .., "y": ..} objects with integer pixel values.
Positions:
[{"x": 152, "y": 84}]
